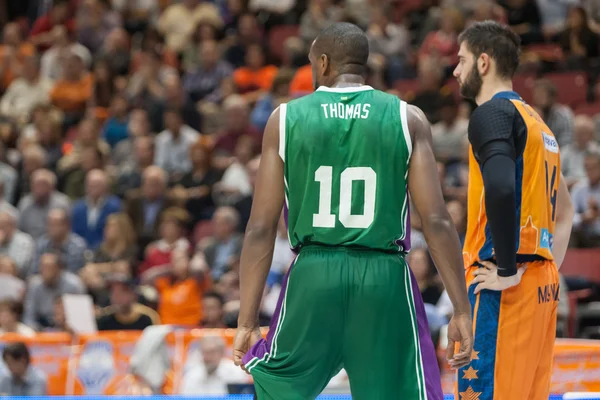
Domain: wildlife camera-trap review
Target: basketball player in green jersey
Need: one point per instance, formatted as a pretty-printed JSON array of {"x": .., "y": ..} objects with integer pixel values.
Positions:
[{"x": 344, "y": 159}]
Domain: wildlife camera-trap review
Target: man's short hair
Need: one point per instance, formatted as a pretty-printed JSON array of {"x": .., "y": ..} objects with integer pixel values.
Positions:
[
  {"x": 496, "y": 40},
  {"x": 214, "y": 295},
  {"x": 347, "y": 47},
  {"x": 16, "y": 351}
]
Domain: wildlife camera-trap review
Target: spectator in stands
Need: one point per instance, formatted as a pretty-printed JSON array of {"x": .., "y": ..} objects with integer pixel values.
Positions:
[
  {"x": 87, "y": 135},
  {"x": 172, "y": 233},
  {"x": 195, "y": 187},
  {"x": 237, "y": 124},
  {"x": 138, "y": 125},
  {"x": 283, "y": 256},
  {"x": 579, "y": 43},
  {"x": 44, "y": 29},
  {"x": 105, "y": 87},
  {"x": 73, "y": 90},
  {"x": 95, "y": 20},
  {"x": 146, "y": 206},
  {"x": 178, "y": 21},
  {"x": 125, "y": 313},
  {"x": 180, "y": 286},
  {"x": 15, "y": 244},
  {"x": 117, "y": 254},
  {"x": 212, "y": 375},
  {"x": 91, "y": 212},
  {"x": 458, "y": 213},
  {"x": 572, "y": 156},
  {"x": 212, "y": 311},
  {"x": 389, "y": 40},
  {"x": 8, "y": 176},
  {"x": 423, "y": 270},
  {"x": 248, "y": 32},
  {"x": 319, "y": 15},
  {"x": 25, "y": 92},
  {"x": 173, "y": 145},
  {"x": 116, "y": 51},
  {"x": 235, "y": 183},
  {"x": 73, "y": 184},
  {"x": 12, "y": 53},
  {"x": 206, "y": 80},
  {"x": 586, "y": 201},
  {"x": 450, "y": 134},
  {"x": 138, "y": 15},
  {"x": 15, "y": 287},
  {"x": 256, "y": 77},
  {"x": 141, "y": 157},
  {"x": 429, "y": 98},
  {"x": 22, "y": 378},
  {"x": 442, "y": 44},
  {"x": 224, "y": 247},
  {"x": 524, "y": 18},
  {"x": 34, "y": 158},
  {"x": 553, "y": 15},
  {"x": 558, "y": 117},
  {"x": 60, "y": 240},
  {"x": 49, "y": 138},
  {"x": 54, "y": 59},
  {"x": 279, "y": 93},
  {"x": 592, "y": 9},
  {"x": 115, "y": 128},
  {"x": 52, "y": 282},
  {"x": 486, "y": 9},
  {"x": 10, "y": 314},
  {"x": 147, "y": 85},
  {"x": 5, "y": 206},
  {"x": 244, "y": 204}
]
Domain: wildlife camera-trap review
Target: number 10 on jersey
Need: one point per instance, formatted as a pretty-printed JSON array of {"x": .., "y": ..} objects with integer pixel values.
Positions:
[{"x": 324, "y": 218}]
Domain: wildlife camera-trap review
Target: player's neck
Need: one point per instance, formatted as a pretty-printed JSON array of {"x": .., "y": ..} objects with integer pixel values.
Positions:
[
  {"x": 490, "y": 89},
  {"x": 348, "y": 80}
]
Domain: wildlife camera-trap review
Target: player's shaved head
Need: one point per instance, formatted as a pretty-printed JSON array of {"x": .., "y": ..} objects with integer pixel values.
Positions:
[{"x": 342, "y": 48}]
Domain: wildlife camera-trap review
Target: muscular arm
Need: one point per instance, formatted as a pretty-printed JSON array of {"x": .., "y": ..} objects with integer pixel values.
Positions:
[
  {"x": 564, "y": 222},
  {"x": 439, "y": 231},
  {"x": 492, "y": 137},
  {"x": 257, "y": 252}
]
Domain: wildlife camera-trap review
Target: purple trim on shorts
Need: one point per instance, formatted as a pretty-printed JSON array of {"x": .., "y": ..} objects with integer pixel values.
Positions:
[
  {"x": 405, "y": 243},
  {"x": 263, "y": 346},
  {"x": 431, "y": 368}
]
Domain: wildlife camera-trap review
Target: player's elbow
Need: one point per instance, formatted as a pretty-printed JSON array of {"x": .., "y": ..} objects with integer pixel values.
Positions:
[
  {"x": 502, "y": 193},
  {"x": 438, "y": 223},
  {"x": 260, "y": 229}
]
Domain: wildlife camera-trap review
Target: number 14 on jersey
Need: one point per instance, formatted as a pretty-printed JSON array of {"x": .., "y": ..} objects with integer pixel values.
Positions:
[{"x": 324, "y": 218}]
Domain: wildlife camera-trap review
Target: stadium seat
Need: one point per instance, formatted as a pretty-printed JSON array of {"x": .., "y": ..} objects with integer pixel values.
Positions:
[
  {"x": 203, "y": 229},
  {"x": 546, "y": 52},
  {"x": 523, "y": 85},
  {"x": 591, "y": 109},
  {"x": 584, "y": 263},
  {"x": 277, "y": 38},
  {"x": 571, "y": 87}
]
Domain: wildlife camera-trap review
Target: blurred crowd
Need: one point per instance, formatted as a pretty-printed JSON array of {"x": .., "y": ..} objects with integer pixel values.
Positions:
[{"x": 130, "y": 134}]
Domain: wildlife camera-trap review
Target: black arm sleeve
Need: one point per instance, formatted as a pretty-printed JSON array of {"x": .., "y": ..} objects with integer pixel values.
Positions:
[{"x": 492, "y": 135}]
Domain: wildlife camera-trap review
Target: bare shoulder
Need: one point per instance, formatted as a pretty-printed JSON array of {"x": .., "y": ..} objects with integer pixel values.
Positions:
[{"x": 418, "y": 124}]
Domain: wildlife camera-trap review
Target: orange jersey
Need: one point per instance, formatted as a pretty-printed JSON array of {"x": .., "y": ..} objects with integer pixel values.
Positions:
[{"x": 537, "y": 178}]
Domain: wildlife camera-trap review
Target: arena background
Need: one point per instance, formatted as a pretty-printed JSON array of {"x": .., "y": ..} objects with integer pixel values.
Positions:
[{"x": 130, "y": 136}]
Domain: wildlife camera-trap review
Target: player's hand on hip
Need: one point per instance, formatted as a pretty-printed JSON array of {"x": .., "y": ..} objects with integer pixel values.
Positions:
[
  {"x": 488, "y": 278},
  {"x": 244, "y": 340},
  {"x": 460, "y": 331}
]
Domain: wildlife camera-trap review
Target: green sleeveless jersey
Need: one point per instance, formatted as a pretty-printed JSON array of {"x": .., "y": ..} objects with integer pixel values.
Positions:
[{"x": 346, "y": 153}]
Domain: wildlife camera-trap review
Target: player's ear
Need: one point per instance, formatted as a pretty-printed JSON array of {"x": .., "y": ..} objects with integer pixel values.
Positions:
[
  {"x": 483, "y": 63},
  {"x": 325, "y": 64}
]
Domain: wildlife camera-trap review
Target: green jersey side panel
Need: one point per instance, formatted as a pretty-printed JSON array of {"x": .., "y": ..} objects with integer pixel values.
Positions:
[{"x": 346, "y": 153}]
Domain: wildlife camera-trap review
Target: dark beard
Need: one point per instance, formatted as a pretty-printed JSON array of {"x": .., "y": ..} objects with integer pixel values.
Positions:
[{"x": 472, "y": 86}]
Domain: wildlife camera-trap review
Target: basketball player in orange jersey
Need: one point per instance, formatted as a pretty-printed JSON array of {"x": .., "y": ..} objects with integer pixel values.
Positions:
[{"x": 519, "y": 223}]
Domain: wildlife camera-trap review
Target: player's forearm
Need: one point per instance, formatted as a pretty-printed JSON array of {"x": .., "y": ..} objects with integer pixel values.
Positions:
[
  {"x": 501, "y": 209},
  {"x": 255, "y": 263},
  {"x": 444, "y": 247},
  {"x": 565, "y": 213}
]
